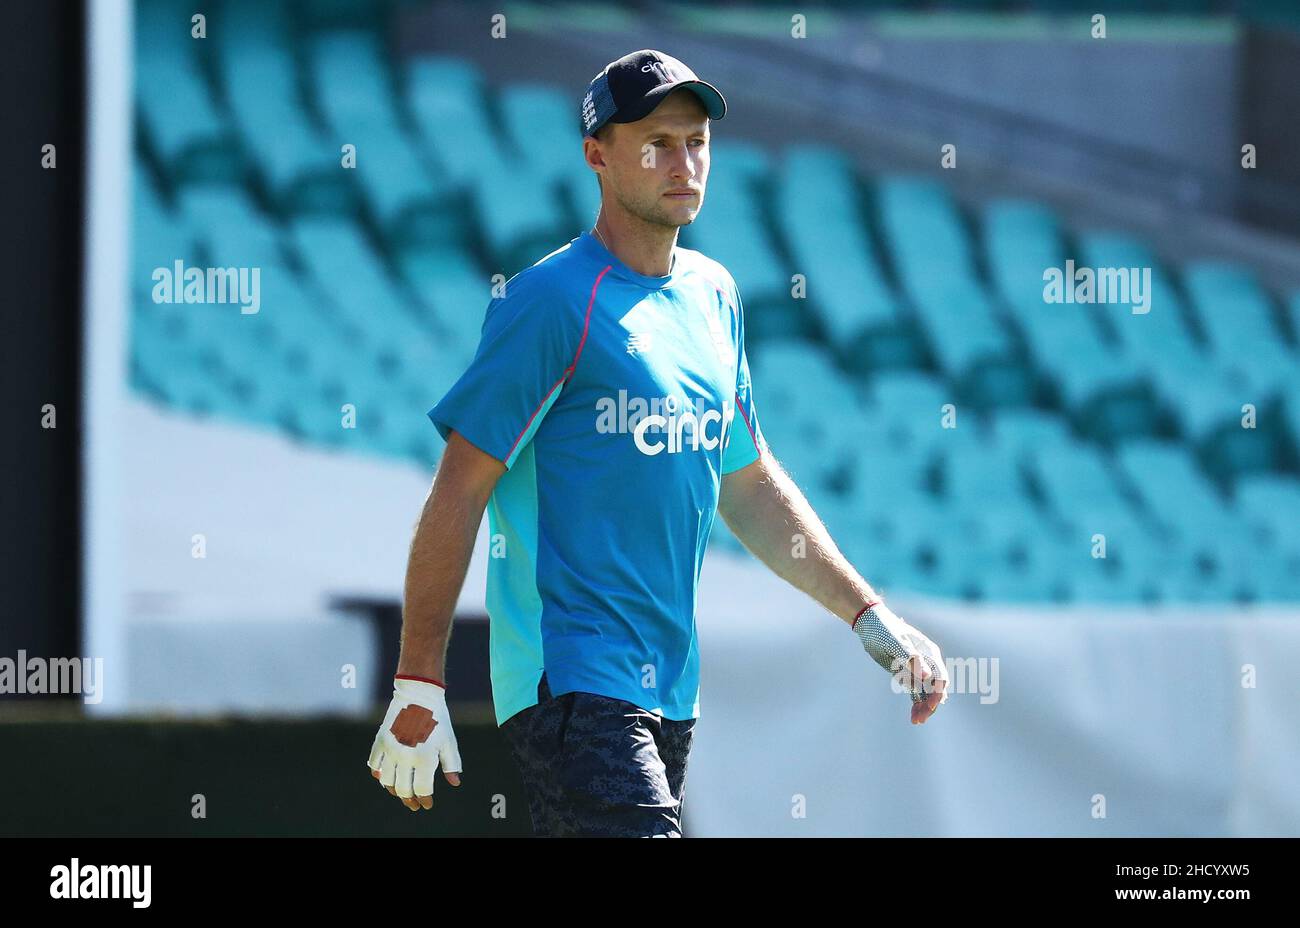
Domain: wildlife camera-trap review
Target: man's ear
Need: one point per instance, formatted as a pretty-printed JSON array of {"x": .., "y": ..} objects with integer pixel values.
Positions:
[{"x": 592, "y": 153}]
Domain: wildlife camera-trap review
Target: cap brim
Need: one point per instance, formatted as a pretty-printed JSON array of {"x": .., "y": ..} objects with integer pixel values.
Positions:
[{"x": 714, "y": 104}]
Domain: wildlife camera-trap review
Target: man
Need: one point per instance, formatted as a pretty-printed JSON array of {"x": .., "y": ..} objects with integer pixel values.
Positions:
[{"x": 605, "y": 419}]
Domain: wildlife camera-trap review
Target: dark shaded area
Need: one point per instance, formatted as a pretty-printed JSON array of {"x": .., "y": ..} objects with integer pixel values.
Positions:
[
  {"x": 263, "y": 777},
  {"x": 469, "y": 674},
  {"x": 1270, "y": 100},
  {"x": 41, "y": 99}
]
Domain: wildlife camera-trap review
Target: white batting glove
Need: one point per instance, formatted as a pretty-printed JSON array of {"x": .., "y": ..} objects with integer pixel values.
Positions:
[
  {"x": 892, "y": 643},
  {"x": 410, "y": 768}
]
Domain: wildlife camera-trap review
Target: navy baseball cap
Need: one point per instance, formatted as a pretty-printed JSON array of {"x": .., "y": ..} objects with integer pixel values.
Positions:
[{"x": 629, "y": 88}]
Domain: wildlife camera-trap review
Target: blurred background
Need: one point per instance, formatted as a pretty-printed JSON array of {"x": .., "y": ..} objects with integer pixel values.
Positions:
[{"x": 221, "y": 508}]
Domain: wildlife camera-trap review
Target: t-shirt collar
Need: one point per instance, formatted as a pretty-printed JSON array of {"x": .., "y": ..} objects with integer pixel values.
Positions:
[{"x": 653, "y": 283}]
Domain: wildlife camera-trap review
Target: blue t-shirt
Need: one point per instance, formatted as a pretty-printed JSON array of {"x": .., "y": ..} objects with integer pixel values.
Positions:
[{"x": 617, "y": 401}]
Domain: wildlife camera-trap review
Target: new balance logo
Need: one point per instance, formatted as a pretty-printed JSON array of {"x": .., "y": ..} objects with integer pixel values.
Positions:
[
  {"x": 720, "y": 342},
  {"x": 638, "y": 343}
]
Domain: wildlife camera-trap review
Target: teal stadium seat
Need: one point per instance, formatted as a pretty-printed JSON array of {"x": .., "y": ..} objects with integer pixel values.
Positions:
[
  {"x": 1086, "y": 494},
  {"x": 389, "y": 328},
  {"x": 458, "y": 292},
  {"x": 1100, "y": 385},
  {"x": 181, "y": 123},
  {"x": 1270, "y": 504},
  {"x": 817, "y": 210},
  {"x": 1209, "y": 532},
  {"x": 298, "y": 166},
  {"x": 1239, "y": 323},
  {"x": 449, "y": 105},
  {"x": 353, "y": 87},
  {"x": 234, "y": 231},
  {"x": 518, "y": 209},
  {"x": 1161, "y": 341},
  {"x": 932, "y": 257},
  {"x": 795, "y": 383},
  {"x": 541, "y": 125},
  {"x": 910, "y": 407},
  {"x": 732, "y": 229}
]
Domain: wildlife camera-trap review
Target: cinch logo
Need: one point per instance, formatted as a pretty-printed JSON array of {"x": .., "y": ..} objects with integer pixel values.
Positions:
[
  {"x": 659, "y": 70},
  {"x": 668, "y": 423}
]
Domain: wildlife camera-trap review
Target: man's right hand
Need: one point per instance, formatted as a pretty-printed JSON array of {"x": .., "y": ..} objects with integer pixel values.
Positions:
[
  {"x": 414, "y": 738},
  {"x": 915, "y": 661}
]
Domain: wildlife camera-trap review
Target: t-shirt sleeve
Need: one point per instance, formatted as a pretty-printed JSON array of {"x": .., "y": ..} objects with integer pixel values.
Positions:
[
  {"x": 745, "y": 442},
  {"x": 528, "y": 343}
]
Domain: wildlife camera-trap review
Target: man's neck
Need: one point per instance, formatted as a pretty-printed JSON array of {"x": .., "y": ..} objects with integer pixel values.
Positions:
[{"x": 645, "y": 248}]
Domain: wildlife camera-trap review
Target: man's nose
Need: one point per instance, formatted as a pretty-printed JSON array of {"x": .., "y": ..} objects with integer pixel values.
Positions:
[{"x": 680, "y": 163}]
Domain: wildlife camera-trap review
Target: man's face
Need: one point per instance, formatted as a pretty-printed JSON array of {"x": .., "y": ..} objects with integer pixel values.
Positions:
[{"x": 649, "y": 162}]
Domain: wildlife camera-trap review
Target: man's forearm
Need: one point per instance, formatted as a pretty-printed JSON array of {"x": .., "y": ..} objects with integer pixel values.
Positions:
[
  {"x": 776, "y": 523},
  {"x": 435, "y": 572}
]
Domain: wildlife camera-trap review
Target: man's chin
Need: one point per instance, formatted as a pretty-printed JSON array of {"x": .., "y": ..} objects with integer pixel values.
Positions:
[
  {"x": 671, "y": 219},
  {"x": 677, "y": 220}
]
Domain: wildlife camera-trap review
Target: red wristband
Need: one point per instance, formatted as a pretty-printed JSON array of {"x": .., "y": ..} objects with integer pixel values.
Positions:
[
  {"x": 864, "y": 609},
  {"x": 407, "y": 676}
]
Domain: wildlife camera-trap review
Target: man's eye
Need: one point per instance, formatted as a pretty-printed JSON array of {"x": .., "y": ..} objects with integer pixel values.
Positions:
[{"x": 697, "y": 142}]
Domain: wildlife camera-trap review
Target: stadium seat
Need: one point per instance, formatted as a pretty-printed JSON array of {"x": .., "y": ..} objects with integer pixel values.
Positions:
[
  {"x": 733, "y": 230},
  {"x": 794, "y": 384},
  {"x": 354, "y": 88},
  {"x": 299, "y": 168},
  {"x": 449, "y": 106},
  {"x": 932, "y": 256},
  {"x": 181, "y": 123},
  {"x": 1239, "y": 323},
  {"x": 817, "y": 211}
]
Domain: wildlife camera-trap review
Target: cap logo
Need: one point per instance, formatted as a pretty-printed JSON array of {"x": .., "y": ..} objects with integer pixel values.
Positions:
[
  {"x": 659, "y": 70},
  {"x": 588, "y": 111}
]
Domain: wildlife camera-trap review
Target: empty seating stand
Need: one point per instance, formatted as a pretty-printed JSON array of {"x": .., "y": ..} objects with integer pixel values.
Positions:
[{"x": 960, "y": 435}]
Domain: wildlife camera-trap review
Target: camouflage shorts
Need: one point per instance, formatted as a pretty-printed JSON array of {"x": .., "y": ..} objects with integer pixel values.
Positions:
[{"x": 596, "y": 766}]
